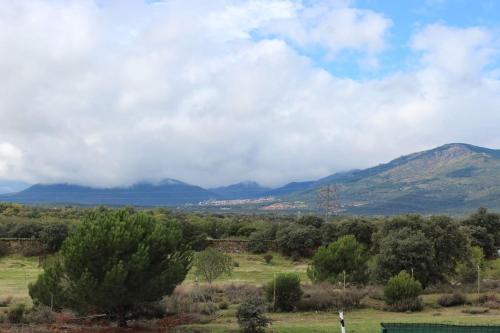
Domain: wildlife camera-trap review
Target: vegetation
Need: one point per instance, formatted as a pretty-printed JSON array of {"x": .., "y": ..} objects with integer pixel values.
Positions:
[
  {"x": 284, "y": 292},
  {"x": 342, "y": 260},
  {"x": 211, "y": 263},
  {"x": 402, "y": 293},
  {"x": 114, "y": 262},
  {"x": 250, "y": 315}
]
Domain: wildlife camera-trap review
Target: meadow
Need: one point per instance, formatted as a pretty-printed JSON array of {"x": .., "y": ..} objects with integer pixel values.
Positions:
[{"x": 17, "y": 271}]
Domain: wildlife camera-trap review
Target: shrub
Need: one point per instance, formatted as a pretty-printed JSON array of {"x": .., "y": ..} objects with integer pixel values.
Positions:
[
  {"x": 402, "y": 293},
  {"x": 15, "y": 314},
  {"x": 268, "y": 258},
  {"x": 284, "y": 291},
  {"x": 250, "y": 315},
  {"x": 238, "y": 293},
  {"x": 322, "y": 297},
  {"x": 312, "y": 221},
  {"x": 40, "y": 315},
  {"x": 454, "y": 299}
]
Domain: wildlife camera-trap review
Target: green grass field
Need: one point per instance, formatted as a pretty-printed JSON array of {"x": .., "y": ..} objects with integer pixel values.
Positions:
[{"x": 16, "y": 272}]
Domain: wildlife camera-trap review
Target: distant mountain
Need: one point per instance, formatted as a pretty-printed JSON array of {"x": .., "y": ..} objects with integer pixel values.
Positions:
[
  {"x": 452, "y": 178},
  {"x": 166, "y": 193},
  {"x": 290, "y": 188},
  {"x": 8, "y": 186},
  {"x": 243, "y": 190}
]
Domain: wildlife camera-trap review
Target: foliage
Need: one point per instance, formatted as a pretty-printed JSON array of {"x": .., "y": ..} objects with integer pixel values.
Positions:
[
  {"x": 53, "y": 235},
  {"x": 250, "y": 315},
  {"x": 50, "y": 287},
  {"x": 258, "y": 242},
  {"x": 405, "y": 249},
  {"x": 311, "y": 221},
  {"x": 402, "y": 292},
  {"x": 212, "y": 263},
  {"x": 361, "y": 228},
  {"x": 485, "y": 230},
  {"x": 284, "y": 292},
  {"x": 344, "y": 255},
  {"x": 116, "y": 261},
  {"x": 298, "y": 239},
  {"x": 467, "y": 269},
  {"x": 432, "y": 248}
]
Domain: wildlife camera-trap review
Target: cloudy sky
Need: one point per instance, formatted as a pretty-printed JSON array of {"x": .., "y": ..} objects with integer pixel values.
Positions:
[{"x": 214, "y": 92}]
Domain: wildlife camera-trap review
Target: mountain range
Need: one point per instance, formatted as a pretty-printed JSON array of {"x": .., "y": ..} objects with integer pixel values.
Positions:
[{"x": 452, "y": 178}]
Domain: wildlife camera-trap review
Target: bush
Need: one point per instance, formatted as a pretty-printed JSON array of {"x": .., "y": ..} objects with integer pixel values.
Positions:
[
  {"x": 322, "y": 297},
  {"x": 15, "y": 314},
  {"x": 454, "y": 299},
  {"x": 251, "y": 316},
  {"x": 40, "y": 315},
  {"x": 284, "y": 292},
  {"x": 402, "y": 293},
  {"x": 268, "y": 258},
  {"x": 238, "y": 293}
]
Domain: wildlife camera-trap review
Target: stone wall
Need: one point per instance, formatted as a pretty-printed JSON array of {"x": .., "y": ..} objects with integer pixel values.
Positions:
[
  {"x": 24, "y": 246},
  {"x": 235, "y": 245}
]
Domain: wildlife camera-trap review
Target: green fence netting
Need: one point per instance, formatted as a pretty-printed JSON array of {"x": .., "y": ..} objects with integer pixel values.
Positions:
[{"x": 436, "y": 328}]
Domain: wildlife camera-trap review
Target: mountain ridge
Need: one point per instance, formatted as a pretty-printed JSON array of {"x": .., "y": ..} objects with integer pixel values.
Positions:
[{"x": 453, "y": 176}]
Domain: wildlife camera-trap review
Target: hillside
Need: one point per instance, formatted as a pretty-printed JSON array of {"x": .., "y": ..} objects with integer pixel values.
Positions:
[
  {"x": 166, "y": 193},
  {"x": 243, "y": 190},
  {"x": 450, "y": 178}
]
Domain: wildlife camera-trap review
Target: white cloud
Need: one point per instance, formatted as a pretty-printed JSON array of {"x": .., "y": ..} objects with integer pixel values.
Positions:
[{"x": 182, "y": 89}]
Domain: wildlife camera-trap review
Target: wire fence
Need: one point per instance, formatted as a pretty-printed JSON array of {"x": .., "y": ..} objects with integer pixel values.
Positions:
[{"x": 437, "y": 328}]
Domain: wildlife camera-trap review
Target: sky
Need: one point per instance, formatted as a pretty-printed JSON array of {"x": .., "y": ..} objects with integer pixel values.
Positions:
[{"x": 113, "y": 92}]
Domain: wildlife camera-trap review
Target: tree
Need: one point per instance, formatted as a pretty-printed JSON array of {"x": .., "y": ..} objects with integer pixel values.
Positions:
[
  {"x": 311, "y": 220},
  {"x": 212, "y": 263},
  {"x": 53, "y": 235},
  {"x": 484, "y": 229},
  {"x": 467, "y": 270},
  {"x": 296, "y": 239},
  {"x": 344, "y": 256},
  {"x": 250, "y": 315},
  {"x": 115, "y": 262},
  {"x": 405, "y": 250},
  {"x": 430, "y": 248}
]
